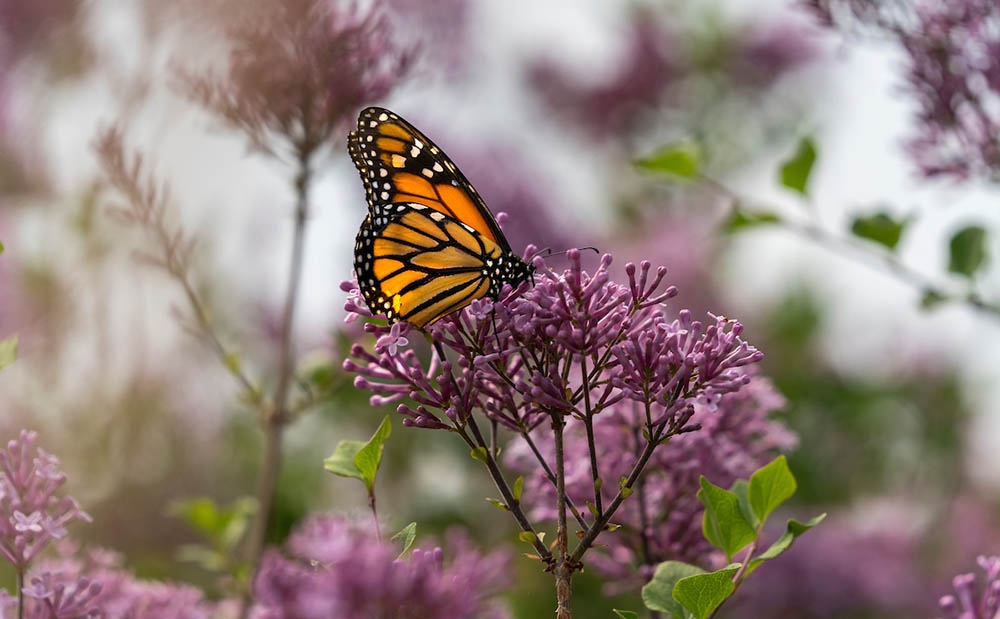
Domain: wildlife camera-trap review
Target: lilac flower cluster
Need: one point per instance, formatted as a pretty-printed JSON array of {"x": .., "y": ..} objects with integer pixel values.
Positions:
[
  {"x": 31, "y": 514},
  {"x": 663, "y": 521},
  {"x": 336, "y": 568},
  {"x": 301, "y": 68},
  {"x": 968, "y": 602},
  {"x": 78, "y": 584},
  {"x": 952, "y": 70},
  {"x": 574, "y": 343},
  {"x": 67, "y": 587}
]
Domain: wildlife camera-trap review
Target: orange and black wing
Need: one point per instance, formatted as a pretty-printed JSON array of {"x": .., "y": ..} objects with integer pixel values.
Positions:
[
  {"x": 419, "y": 264},
  {"x": 399, "y": 164}
]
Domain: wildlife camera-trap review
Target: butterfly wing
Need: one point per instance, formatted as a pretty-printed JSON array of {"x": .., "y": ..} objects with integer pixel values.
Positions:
[
  {"x": 429, "y": 245},
  {"x": 422, "y": 265},
  {"x": 399, "y": 164}
]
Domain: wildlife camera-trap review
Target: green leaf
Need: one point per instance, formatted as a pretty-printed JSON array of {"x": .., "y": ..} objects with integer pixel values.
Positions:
[
  {"x": 742, "y": 219},
  {"x": 8, "y": 351},
  {"x": 223, "y": 526},
  {"x": 880, "y": 227},
  {"x": 702, "y": 593},
  {"x": 236, "y": 520},
  {"x": 201, "y": 514},
  {"x": 625, "y": 614},
  {"x": 932, "y": 298},
  {"x": 770, "y": 486},
  {"x": 527, "y": 537},
  {"x": 967, "y": 251},
  {"x": 795, "y": 171},
  {"x": 480, "y": 453},
  {"x": 680, "y": 159},
  {"x": 1, "y": 247},
  {"x": 369, "y": 457},
  {"x": 792, "y": 531},
  {"x": 497, "y": 503},
  {"x": 741, "y": 489},
  {"x": 724, "y": 525},
  {"x": 406, "y": 536},
  {"x": 341, "y": 462},
  {"x": 658, "y": 594},
  {"x": 518, "y": 487}
]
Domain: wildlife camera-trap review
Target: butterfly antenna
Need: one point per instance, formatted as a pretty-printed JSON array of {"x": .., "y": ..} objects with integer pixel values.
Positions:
[{"x": 548, "y": 253}]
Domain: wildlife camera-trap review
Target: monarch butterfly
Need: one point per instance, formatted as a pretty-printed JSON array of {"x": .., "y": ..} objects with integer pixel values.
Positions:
[{"x": 429, "y": 245}]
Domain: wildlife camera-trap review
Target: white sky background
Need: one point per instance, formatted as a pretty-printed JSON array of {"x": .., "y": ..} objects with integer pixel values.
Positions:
[{"x": 243, "y": 205}]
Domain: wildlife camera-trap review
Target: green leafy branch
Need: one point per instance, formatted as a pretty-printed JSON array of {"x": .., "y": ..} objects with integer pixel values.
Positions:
[
  {"x": 873, "y": 237},
  {"x": 733, "y": 522},
  {"x": 360, "y": 460}
]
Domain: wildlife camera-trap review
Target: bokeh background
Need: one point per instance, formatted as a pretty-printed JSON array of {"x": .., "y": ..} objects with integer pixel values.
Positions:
[{"x": 546, "y": 107}]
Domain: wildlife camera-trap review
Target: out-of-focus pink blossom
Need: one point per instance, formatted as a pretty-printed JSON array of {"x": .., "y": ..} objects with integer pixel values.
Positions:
[
  {"x": 335, "y": 568},
  {"x": 300, "y": 69},
  {"x": 952, "y": 67}
]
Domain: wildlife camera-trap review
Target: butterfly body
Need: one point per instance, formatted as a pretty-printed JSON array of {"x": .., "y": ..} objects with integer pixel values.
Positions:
[{"x": 429, "y": 246}]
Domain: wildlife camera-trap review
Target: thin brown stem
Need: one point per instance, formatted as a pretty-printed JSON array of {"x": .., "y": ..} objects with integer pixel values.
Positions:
[
  {"x": 563, "y": 566},
  {"x": 552, "y": 478},
  {"x": 602, "y": 521},
  {"x": 508, "y": 495},
  {"x": 20, "y": 593},
  {"x": 276, "y": 417},
  {"x": 371, "y": 505},
  {"x": 588, "y": 422},
  {"x": 740, "y": 573}
]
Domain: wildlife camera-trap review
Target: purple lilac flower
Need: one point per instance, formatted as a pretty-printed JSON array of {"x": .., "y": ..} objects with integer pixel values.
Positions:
[
  {"x": 531, "y": 354},
  {"x": 75, "y": 585},
  {"x": 300, "y": 69},
  {"x": 971, "y": 601},
  {"x": 31, "y": 515},
  {"x": 866, "y": 564},
  {"x": 336, "y": 568},
  {"x": 440, "y": 28},
  {"x": 952, "y": 71},
  {"x": 663, "y": 66},
  {"x": 662, "y": 521},
  {"x": 648, "y": 67}
]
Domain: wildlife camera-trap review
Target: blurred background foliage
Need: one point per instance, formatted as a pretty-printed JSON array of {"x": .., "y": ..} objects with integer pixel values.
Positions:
[{"x": 546, "y": 110}]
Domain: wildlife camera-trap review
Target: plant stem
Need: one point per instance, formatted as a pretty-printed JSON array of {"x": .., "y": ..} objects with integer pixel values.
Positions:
[
  {"x": 563, "y": 566},
  {"x": 501, "y": 483},
  {"x": 605, "y": 517},
  {"x": 20, "y": 593},
  {"x": 588, "y": 422},
  {"x": 552, "y": 479},
  {"x": 276, "y": 417},
  {"x": 371, "y": 504},
  {"x": 864, "y": 253}
]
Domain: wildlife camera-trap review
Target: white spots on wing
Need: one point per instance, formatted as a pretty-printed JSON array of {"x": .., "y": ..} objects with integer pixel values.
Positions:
[
  {"x": 427, "y": 173},
  {"x": 385, "y": 195},
  {"x": 383, "y": 117},
  {"x": 436, "y": 216},
  {"x": 383, "y": 172},
  {"x": 437, "y": 167},
  {"x": 373, "y": 124},
  {"x": 415, "y": 151}
]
